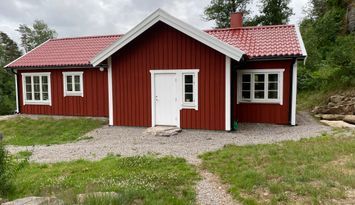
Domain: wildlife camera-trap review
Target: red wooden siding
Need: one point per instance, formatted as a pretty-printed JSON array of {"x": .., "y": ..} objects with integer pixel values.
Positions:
[
  {"x": 163, "y": 47},
  {"x": 94, "y": 103},
  {"x": 265, "y": 113}
]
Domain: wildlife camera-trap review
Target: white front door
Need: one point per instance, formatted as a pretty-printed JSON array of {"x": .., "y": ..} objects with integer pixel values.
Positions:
[{"x": 165, "y": 99}]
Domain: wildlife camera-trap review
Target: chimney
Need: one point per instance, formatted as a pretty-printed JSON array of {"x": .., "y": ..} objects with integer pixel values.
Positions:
[{"x": 236, "y": 20}]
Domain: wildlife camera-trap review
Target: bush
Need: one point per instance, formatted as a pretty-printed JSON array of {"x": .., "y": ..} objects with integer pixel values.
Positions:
[{"x": 9, "y": 167}]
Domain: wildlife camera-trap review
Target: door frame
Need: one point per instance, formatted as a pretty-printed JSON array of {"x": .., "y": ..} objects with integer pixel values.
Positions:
[{"x": 178, "y": 91}]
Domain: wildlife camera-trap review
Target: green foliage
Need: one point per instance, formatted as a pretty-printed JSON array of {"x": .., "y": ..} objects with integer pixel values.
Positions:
[
  {"x": 9, "y": 167},
  {"x": 137, "y": 180},
  {"x": 32, "y": 37},
  {"x": 331, "y": 53},
  {"x": 8, "y": 52},
  {"x": 274, "y": 12},
  {"x": 26, "y": 131},
  {"x": 307, "y": 171},
  {"x": 220, "y": 10}
]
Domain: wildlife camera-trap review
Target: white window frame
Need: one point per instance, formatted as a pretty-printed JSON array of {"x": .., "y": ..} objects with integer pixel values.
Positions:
[
  {"x": 73, "y": 93},
  {"x": 33, "y": 101},
  {"x": 266, "y": 72},
  {"x": 194, "y": 104}
]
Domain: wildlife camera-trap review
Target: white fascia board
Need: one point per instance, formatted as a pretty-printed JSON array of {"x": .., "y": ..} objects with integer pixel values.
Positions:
[
  {"x": 300, "y": 40},
  {"x": 160, "y": 15}
]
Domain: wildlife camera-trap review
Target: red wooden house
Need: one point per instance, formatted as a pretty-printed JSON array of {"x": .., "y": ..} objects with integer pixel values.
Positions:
[{"x": 166, "y": 72}]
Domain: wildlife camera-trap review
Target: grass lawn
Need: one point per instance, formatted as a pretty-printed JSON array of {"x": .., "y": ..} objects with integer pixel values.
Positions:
[
  {"x": 26, "y": 131},
  {"x": 138, "y": 180},
  {"x": 310, "y": 171}
]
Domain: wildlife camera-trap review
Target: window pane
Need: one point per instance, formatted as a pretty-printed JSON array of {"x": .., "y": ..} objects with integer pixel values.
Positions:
[
  {"x": 45, "y": 96},
  {"x": 272, "y": 95},
  {"x": 273, "y": 77},
  {"x": 36, "y": 88},
  {"x": 259, "y": 77},
  {"x": 77, "y": 87},
  {"x": 28, "y": 80},
  {"x": 44, "y": 79},
  {"x": 28, "y": 96},
  {"x": 188, "y": 78},
  {"x": 272, "y": 86},
  {"x": 44, "y": 87},
  {"x": 28, "y": 88},
  {"x": 259, "y": 86},
  {"x": 259, "y": 95},
  {"x": 189, "y": 97},
  {"x": 77, "y": 79},
  {"x": 37, "y": 96},
  {"x": 246, "y": 86},
  {"x": 246, "y": 94},
  {"x": 36, "y": 79},
  {"x": 246, "y": 78},
  {"x": 189, "y": 88},
  {"x": 69, "y": 87}
]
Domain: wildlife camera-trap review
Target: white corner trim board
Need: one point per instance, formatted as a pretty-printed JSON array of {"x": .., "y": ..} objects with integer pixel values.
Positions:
[
  {"x": 160, "y": 15},
  {"x": 110, "y": 95},
  {"x": 294, "y": 93},
  {"x": 16, "y": 90},
  {"x": 228, "y": 95},
  {"x": 32, "y": 101},
  {"x": 179, "y": 92},
  {"x": 73, "y": 92}
]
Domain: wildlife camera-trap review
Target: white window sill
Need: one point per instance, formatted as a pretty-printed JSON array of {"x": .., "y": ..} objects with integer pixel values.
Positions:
[
  {"x": 189, "y": 106},
  {"x": 260, "y": 102},
  {"x": 37, "y": 103},
  {"x": 74, "y": 95}
]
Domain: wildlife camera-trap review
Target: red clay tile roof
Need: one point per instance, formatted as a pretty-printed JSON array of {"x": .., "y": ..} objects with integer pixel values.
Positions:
[
  {"x": 65, "y": 52},
  {"x": 262, "y": 41}
]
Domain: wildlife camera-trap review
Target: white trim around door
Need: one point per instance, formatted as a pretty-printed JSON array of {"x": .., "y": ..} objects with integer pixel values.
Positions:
[{"x": 179, "y": 91}]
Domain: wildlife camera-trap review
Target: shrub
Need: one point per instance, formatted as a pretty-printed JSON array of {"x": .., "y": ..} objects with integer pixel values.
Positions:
[{"x": 9, "y": 167}]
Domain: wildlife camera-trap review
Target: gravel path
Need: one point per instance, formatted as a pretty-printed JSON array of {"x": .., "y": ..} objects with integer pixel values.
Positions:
[{"x": 130, "y": 141}]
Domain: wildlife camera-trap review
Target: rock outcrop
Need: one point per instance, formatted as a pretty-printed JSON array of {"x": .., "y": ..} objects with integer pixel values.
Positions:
[{"x": 34, "y": 200}]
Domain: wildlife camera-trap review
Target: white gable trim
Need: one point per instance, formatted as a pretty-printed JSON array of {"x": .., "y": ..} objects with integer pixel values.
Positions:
[
  {"x": 300, "y": 40},
  {"x": 160, "y": 15}
]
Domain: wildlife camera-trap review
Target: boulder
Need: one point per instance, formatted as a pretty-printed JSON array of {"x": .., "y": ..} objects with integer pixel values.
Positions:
[
  {"x": 332, "y": 117},
  {"x": 349, "y": 119},
  {"x": 164, "y": 131},
  {"x": 336, "y": 99},
  {"x": 33, "y": 200},
  {"x": 82, "y": 197}
]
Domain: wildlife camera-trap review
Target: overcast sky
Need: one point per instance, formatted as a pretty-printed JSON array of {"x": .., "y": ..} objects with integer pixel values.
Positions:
[{"x": 98, "y": 17}]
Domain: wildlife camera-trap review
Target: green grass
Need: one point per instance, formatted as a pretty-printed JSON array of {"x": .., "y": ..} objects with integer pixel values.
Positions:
[
  {"x": 310, "y": 171},
  {"x": 25, "y": 131},
  {"x": 138, "y": 180}
]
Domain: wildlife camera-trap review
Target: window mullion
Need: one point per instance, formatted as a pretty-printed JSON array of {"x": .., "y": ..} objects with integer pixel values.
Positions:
[{"x": 32, "y": 90}]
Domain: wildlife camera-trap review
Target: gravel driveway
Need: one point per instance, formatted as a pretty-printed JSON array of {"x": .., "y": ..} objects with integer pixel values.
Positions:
[{"x": 129, "y": 141}]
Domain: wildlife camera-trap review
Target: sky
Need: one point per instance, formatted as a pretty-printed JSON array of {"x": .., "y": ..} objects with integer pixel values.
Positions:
[{"x": 100, "y": 17}]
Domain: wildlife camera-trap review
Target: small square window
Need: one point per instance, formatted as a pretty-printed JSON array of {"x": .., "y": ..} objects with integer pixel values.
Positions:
[{"x": 73, "y": 83}]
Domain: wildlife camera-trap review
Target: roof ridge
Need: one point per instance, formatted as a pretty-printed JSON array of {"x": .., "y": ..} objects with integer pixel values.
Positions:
[
  {"x": 86, "y": 37},
  {"x": 250, "y": 27}
]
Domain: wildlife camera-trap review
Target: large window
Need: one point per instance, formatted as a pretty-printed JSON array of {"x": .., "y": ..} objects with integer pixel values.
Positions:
[
  {"x": 73, "y": 84},
  {"x": 36, "y": 88},
  {"x": 260, "y": 85},
  {"x": 189, "y": 97}
]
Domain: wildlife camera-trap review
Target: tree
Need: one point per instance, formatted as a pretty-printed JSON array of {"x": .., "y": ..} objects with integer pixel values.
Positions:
[
  {"x": 32, "y": 37},
  {"x": 274, "y": 12},
  {"x": 8, "y": 52},
  {"x": 220, "y": 10}
]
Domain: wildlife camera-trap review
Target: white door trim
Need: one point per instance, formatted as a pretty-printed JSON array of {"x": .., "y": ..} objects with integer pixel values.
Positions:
[{"x": 179, "y": 105}]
